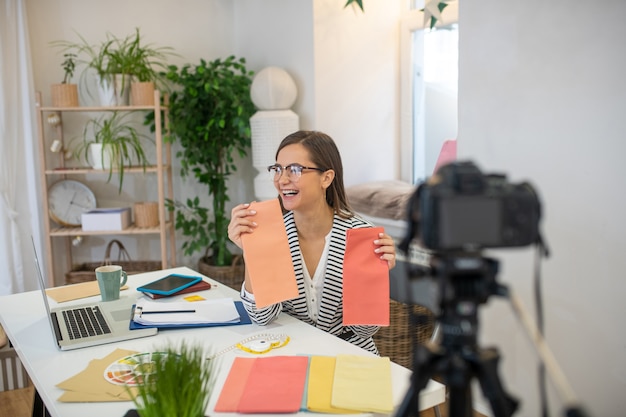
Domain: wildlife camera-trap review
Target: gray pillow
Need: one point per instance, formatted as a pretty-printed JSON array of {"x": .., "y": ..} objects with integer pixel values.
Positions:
[{"x": 385, "y": 199}]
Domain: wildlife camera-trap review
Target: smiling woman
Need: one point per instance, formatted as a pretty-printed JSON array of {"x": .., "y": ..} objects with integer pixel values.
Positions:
[{"x": 317, "y": 219}]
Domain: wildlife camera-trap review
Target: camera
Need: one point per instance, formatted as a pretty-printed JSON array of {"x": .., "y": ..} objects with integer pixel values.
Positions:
[{"x": 461, "y": 209}]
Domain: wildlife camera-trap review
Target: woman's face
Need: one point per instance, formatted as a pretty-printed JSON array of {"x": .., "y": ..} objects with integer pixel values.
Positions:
[{"x": 309, "y": 189}]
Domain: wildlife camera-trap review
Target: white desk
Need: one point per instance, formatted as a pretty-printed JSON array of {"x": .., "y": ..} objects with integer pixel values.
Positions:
[{"x": 23, "y": 318}]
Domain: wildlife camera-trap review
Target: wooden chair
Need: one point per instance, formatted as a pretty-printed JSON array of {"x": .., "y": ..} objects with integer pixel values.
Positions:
[{"x": 12, "y": 373}]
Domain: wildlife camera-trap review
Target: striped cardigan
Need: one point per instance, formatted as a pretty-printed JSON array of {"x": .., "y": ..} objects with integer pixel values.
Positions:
[{"x": 331, "y": 305}]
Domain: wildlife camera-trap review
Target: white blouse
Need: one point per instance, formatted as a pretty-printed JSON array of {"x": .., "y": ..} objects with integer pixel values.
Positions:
[{"x": 313, "y": 287}]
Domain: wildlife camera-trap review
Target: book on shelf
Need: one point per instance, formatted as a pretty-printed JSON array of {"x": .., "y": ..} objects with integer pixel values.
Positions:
[{"x": 199, "y": 286}]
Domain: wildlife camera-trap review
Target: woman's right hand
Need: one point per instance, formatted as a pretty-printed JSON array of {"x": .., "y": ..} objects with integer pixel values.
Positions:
[{"x": 240, "y": 223}]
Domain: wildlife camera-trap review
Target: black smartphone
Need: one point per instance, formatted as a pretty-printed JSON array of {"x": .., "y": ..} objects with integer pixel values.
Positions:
[{"x": 170, "y": 284}]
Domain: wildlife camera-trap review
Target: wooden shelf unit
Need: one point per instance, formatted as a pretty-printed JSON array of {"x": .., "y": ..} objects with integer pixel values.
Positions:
[{"x": 162, "y": 169}]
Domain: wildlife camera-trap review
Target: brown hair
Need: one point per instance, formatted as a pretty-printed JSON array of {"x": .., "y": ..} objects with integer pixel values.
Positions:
[{"x": 325, "y": 155}]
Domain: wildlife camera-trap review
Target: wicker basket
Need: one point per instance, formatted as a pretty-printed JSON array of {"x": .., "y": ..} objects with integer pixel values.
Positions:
[
  {"x": 231, "y": 276},
  {"x": 86, "y": 272},
  {"x": 396, "y": 341}
]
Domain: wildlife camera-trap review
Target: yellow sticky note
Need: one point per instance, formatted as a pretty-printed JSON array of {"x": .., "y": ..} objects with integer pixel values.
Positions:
[{"x": 194, "y": 298}]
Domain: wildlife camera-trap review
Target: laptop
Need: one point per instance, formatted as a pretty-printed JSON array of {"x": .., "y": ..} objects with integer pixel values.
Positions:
[{"x": 90, "y": 324}]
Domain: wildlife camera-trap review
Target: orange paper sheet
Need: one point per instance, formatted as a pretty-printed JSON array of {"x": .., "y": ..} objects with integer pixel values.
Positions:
[
  {"x": 275, "y": 385},
  {"x": 234, "y": 385},
  {"x": 267, "y": 256},
  {"x": 365, "y": 280}
]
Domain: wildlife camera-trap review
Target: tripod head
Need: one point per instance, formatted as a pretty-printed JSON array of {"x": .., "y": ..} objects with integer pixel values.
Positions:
[{"x": 465, "y": 282}]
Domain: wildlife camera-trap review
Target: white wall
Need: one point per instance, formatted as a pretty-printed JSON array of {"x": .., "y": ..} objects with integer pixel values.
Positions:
[
  {"x": 280, "y": 33},
  {"x": 275, "y": 33},
  {"x": 542, "y": 96},
  {"x": 356, "y": 85}
]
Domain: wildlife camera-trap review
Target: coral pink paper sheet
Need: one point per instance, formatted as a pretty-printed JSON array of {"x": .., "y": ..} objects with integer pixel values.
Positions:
[{"x": 365, "y": 280}]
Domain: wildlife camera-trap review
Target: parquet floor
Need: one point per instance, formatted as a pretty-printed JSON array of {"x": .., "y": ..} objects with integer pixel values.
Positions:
[{"x": 17, "y": 402}]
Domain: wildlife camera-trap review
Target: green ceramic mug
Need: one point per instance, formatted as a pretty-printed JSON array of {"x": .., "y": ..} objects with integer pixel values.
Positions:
[{"x": 110, "y": 279}]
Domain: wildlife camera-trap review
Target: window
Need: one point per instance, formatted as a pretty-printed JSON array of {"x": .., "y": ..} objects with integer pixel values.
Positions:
[{"x": 429, "y": 79}]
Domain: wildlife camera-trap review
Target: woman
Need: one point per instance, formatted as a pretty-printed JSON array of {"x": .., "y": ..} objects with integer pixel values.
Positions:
[{"x": 308, "y": 176}]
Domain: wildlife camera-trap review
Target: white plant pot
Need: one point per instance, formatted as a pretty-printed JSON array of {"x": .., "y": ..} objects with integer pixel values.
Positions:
[
  {"x": 99, "y": 157},
  {"x": 115, "y": 91}
]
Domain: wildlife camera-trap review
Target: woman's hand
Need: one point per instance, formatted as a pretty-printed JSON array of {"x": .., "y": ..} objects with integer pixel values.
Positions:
[
  {"x": 240, "y": 223},
  {"x": 386, "y": 248}
]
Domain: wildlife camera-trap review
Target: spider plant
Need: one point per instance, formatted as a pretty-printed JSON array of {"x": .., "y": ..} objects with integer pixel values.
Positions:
[{"x": 122, "y": 144}]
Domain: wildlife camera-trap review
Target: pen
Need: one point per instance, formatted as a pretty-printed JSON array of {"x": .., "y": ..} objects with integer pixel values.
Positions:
[{"x": 167, "y": 312}]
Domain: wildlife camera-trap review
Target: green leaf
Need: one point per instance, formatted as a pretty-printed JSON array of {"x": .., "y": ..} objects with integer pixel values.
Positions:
[{"x": 358, "y": 2}]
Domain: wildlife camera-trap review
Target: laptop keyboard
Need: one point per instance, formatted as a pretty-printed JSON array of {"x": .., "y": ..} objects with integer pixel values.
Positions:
[{"x": 85, "y": 322}]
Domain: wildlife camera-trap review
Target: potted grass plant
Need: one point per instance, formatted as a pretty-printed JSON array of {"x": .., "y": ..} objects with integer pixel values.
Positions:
[
  {"x": 178, "y": 383},
  {"x": 111, "y": 143},
  {"x": 210, "y": 110}
]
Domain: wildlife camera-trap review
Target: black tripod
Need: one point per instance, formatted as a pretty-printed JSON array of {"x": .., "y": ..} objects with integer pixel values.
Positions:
[{"x": 464, "y": 282}]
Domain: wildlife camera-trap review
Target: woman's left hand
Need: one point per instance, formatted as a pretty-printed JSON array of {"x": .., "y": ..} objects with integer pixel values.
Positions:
[{"x": 386, "y": 249}]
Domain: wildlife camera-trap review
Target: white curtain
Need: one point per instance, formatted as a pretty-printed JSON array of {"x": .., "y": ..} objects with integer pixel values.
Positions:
[{"x": 19, "y": 212}]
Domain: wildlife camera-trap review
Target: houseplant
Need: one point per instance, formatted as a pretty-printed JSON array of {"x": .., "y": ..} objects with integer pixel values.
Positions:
[
  {"x": 117, "y": 62},
  {"x": 119, "y": 142},
  {"x": 145, "y": 63},
  {"x": 209, "y": 117},
  {"x": 178, "y": 383},
  {"x": 65, "y": 94}
]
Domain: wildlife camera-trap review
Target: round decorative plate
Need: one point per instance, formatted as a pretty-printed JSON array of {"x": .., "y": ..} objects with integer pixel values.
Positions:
[{"x": 132, "y": 370}]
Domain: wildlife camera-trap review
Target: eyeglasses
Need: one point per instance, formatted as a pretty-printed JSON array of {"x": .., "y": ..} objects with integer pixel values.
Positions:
[{"x": 294, "y": 171}]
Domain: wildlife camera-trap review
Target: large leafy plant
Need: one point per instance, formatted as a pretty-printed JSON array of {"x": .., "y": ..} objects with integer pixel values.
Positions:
[{"x": 210, "y": 109}]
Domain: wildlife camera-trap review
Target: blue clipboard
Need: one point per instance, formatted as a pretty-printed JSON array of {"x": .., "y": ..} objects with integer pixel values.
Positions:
[{"x": 243, "y": 314}]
